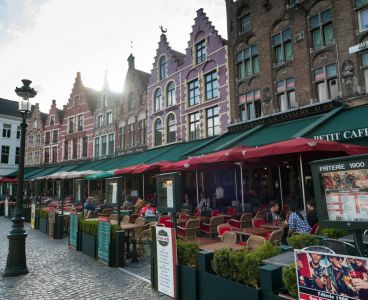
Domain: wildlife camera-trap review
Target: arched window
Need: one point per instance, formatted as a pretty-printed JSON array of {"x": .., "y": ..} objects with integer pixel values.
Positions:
[
  {"x": 158, "y": 132},
  {"x": 171, "y": 129},
  {"x": 163, "y": 68},
  {"x": 38, "y": 138},
  {"x": 170, "y": 94},
  {"x": 157, "y": 106}
]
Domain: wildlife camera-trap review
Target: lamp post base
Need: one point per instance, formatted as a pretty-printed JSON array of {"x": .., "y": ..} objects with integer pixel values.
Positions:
[{"x": 16, "y": 263}]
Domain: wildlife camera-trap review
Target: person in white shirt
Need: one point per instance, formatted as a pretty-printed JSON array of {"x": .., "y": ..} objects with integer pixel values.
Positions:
[
  {"x": 219, "y": 192},
  {"x": 202, "y": 201}
]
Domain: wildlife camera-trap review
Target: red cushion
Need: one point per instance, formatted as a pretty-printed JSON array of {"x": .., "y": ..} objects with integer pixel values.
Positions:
[
  {"x": 243, "y": 243},
  {"x": 258, "y": 223},
  {"x": 205, "y": 228},
  {"x": 234, "y": 224},
  {"x": 267, "y": 235},
  {"x": 231, "y": 211},
  {"x": 314, "y": 228},
  {"x": 215, "y": 213},
  {"x": 222, "y": 230}
]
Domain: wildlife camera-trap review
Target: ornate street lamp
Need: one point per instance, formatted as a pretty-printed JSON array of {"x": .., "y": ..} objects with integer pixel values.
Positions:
[{"x": 16, "y": 263}]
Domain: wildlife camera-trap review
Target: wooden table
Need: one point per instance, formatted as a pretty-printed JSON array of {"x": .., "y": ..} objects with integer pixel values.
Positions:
[
  {"x": 271, "y": 226},
  {"x": 220, "y": 245},
  {"x": 282, "y": 260},
  {"x": 200, "y": 241},
  {"x": 253, "y": 231},
  {"x": 131, "y": 227}
]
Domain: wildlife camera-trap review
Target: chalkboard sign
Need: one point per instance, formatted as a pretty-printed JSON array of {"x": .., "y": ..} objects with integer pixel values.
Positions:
[
  {"x": 51, "y": 223},
  {"x": 73, "y": 230},
  {"x": 104, "y": 232}
]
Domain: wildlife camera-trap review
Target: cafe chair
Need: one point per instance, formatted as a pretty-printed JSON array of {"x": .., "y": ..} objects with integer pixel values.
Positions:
[
  {"x": 257, "y": 222},
  {"x": 229, "y": 237},
  {"x": 215, "y": 213},
  {"x": 166, "y": 221},
  {"x": 339, "y": 247},
  {"x": 140, "y": 221},
  {"x": 276, "y": 236},
  {"x": 114, "y": 219},
  {"x": 106, "y": 212},
  {"x": 318, "y": 248},
  {"x": 314, "y": 229},
  {"x": 254, "y": 242},
  {"x": 222, "y": 228},
  {"x": 211, "y": 227},
  {"x": 189, "y": 231},
  {"x": 144, "y": 236},
  {"x": 245, "y": 221}
]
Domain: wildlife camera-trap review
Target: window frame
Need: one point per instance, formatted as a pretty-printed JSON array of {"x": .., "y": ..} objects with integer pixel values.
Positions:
[
  {"x": 326, "y": 80},
  {"x": 193, "y": 87},
  {"x": 110, "y": 143},
  {"x": 242, "y": 24},
  {"x": 46, "y": 155},
  {"x": 200, "y": 52},
  {"x": 109, "y": 118},
  {"x": 215, "y": 116},
  {"x": 196, "y": 121},
  {"x": 163, "y": 67},
  {"x": 5, "y": 155},
  {"x": 100, "y": 120},
  {"x": 286, "y": 92},
  {"x": 7, "y": 131},
  {"x": 252, "y": 99},
  {"x": 169, "y": 132},
  {"x": 253, "y": 60},
  {"x": 171, "y": 94},
  {"x": 282, "y": 45},
  {"x": 17, "y": 155},
  {"x": 80, "y": 122},
  {"x": 157, "y": 100},
  {"x": 321, "y": 29},
  {"x": 211, "y": 85},
  {"x": 158, "y": 132}
]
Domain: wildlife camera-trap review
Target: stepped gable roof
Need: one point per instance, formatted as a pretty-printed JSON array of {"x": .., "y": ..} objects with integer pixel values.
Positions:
[
  {"x": 92, "y": 97},
  {"x": 43, "y": 117},
  {"x": 143, "y": 76},
  {"x": 9, "y": 107},
  {"x": 179, "y": 56}
]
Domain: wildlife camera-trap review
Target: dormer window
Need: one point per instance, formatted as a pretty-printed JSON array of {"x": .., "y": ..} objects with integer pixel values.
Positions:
[
  {"x": 52, "y": 120},
  {"x": 109, "y": 118},
  {"x": 200, "y": 49},
  {"x": 245, "y": 24},
  {"x": 100, "y": 121},
  {"x": 163, "y": 68}
]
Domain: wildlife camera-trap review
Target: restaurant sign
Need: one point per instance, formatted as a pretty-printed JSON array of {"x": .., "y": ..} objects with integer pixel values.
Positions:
[
  {"x": 166, "y": 260},
  {"x": 343, "y": 135},
  {"x": 325, "y": 276}
]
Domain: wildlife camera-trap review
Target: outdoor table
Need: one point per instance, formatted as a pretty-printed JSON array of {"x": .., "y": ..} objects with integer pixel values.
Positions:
[
  {"x": 271, "y": 226},
  {"x": 131, "y": 227},
  {"x": 350, "y": 239},
  {"x": 221, "y": 245},
  {"x": 202, "y": 241},
  {"x": 252, "y": 231},
  {"x": 125, "y": 212},
  {"x": 282, "y": 260}
]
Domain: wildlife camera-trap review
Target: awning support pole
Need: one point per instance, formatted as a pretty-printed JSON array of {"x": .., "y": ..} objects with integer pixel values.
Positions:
[
  {"x": 236, "y": 186},
  {"x": 280, "y": 185},
  {"x": 143, "y": 186},
  {"x": 302, "y": 180},
  {"x": 197, "y": 187},
  {"x": 242, "y": 186},
  {"x": 202, "y": 179}
]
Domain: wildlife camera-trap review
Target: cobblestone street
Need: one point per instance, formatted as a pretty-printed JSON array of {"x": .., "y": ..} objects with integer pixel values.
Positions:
[{"x": 55, "y": 272}]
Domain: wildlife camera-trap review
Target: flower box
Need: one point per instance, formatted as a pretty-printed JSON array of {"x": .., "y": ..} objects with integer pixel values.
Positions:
[
  {"x": 89, "y": 243},
  {"x": 186, "y": 282},
  {"x": 43, "y": 225}
]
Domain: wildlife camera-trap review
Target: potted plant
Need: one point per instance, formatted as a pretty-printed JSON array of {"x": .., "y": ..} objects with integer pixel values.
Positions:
[
  {"x": 290, "y": 284},
  {"x": 89, "y": 236},
  {"x": 187, "y": 270},
  {"x": 43, "y": 220},
  {"x": 302, "y": 240}
]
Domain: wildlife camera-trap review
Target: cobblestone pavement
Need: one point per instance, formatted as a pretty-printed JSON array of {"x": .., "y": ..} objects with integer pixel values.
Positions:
[{"x": 55, "y": 272}]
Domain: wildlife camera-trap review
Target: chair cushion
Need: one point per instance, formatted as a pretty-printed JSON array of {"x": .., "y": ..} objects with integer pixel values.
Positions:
[
  {"x": 234, "y": 223},
  {"x": 222, "y": 230},
  {"x": 205, "y": 228}
]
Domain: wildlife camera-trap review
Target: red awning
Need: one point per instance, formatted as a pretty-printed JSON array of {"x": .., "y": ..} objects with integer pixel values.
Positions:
[
  {"x": 301, "y": 145},
  {"x": 150, "y": 167},
  {"x": 7, "y": 179},
  {"x": 126, "y": 170}
]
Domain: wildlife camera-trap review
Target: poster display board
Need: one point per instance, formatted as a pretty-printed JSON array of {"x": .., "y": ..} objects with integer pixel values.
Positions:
[
  {"x": 166, "y": 260},
  {"x": 103, "y": 242},
  {"x": 33, "y": 215},
  {"x": 6, "y": 208},
  {"x": 51, "y": 223},
  {"x": 73, "y": 230},
  {"x": 341, "y": 189},
  {"x": 325, "y": 276}
]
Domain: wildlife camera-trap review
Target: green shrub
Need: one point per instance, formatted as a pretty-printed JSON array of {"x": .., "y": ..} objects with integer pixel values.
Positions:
[
  {"x": 89, "y": 226},
  {"x": 242, "y": 266},
  {"x": 334, "y": 233},
  {"x": 187, "y": 253},
  {"x": 289, "y": 279},
  {"x": 302, "y": 240}
]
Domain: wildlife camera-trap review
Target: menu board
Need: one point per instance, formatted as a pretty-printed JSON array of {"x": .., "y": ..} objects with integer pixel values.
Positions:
[
  {"x": 73, "y": 230},
  {"x": 33, "y": 215},
  {"x": 51, "y": 223},
  {"x": 346, "y": 194},
  {"x": 103, "y": 241}
]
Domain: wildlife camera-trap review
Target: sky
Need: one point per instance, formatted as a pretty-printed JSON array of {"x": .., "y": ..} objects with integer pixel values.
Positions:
[{"x": 49, "y": 41}]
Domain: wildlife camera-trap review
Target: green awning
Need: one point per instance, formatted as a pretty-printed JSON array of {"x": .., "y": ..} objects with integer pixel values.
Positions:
[
  {"x": 44, "y": 172},
  {"x": 34, "y": 172},
  {"x": 348, "y": 126},
  {"x": 27, "y": 170},
  {"x": 101, "y": 175}
]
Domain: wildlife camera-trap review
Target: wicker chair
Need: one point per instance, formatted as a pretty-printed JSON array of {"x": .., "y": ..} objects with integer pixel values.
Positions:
[
  {"x": 276, "y": 235},
  {"x": 245, "y": 221},
  {"x": 257, "y": 222},
  {"x": 211, "y": 227},
  {"x": 254, "y": 242},
  {"x": 229, "y": 237},
  {"x": 114, "y": 220},
  {"x": 222, "y": 228},
  {"x": 190, "y": 230}
]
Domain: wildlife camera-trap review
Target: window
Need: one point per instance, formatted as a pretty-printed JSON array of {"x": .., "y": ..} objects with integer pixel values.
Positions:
[
  {"x": 157, "y": 105},
  {"x": 103, "y": 145},
  {"x": 52, "y": 120},
  {"x": 97, "y": 147},
  {"x": 141, "y": 100},
  {"x": 100, "y": 121},
  {"x": 54, "y": 154},
  {"x": 326, "y": 82},
  {"x": 75, "y": 148},
  {"x": 193, "y": 94},
  {"x": 131, "y": 134},
  {"x": 170, "y": 94},
  {"x": 171, "y": 129},
  {"x": 200, "y": 50},
  {"x": 245, "y": 24},
  {"x": 321, "y": 29},
  {"x": 18, "y": 132},
  {"x": 194, "y": 129},
  {"x": 122, "y": 137},
  {"x": 30, "y": 140},
  {"x": 111, "y": 144},
  {"x": 71, "y": 125},
  {"x": 286, "y": 94},
  {"x": 250, "y": 105},
  {"x": 17, "y": 155},
  {"x": 47, "y": 137},
  {"x": 34, "y": 123},
  {"x": 365, "y": 69},
  {"x": 80, "y": 122},
  {"x": 66, "y": 150},
  {"x": 213, "y": 121},
  {"x": 211, "y": 86},
  {"x": 109, "y": 118},
  {"x": 282, "y": 46},
  {"x": 142, "y": 131},
  {"x": 38, "y": 138},
  {"x": 36, "y": 157},
  {"x": 130, "y": 101},
  {"x": 84, "y": 146},
  {"x": 158, "y": 132},
  {"x": 163, "y": 68},
  {"x": 247, "y": 62},
  {"x": 5, "y": 154},
  {"x": 6, "y": 130},
  {"x": 55, "y": 134},
  {"x": 363, "y": 19},
  {"x": 47, "y": 155}
]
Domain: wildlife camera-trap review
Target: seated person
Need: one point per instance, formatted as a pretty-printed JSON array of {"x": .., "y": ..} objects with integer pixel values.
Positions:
[
  {"x": 272, "y": 212},
  {"x": 187, "y": 204},
  {"x": 312, "y": 213},
  {"x": 89, "y": 207},
  {"x": 202, "y": 202},
  {"x": 128, "y": 203},
  {"x": 147, "y": 211},
  {"x": 297, "y": 220}
]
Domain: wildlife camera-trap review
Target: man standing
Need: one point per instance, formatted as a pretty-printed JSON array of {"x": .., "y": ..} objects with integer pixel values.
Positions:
[{"x": 219, "y": 193}]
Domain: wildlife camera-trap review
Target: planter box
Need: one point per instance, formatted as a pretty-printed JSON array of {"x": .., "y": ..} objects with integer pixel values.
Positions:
[
  {"x": 37, "y": 222},
  {"x": 11, "y": 213},
  {"x": 217, "y": 288},
  {"x": 186, "y": 283},
  {"x": 43, "y": 222},
  {"x": 89, "y": 243}
]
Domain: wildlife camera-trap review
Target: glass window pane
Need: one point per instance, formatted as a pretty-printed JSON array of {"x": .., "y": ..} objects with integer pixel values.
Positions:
[
  {"x": 292, "y": 100},
  {"x": 240, "y": 71},
  {"x": 256, "y": 65},
  {"x": 317, "y": 43},
  {"x": 254, "y": 50},
  {"x": 328, "y": 33},
  {"x": 280, "y": 86},
  {"x": 283, "y": 105},
  {"x": 314, "y": 22},
  {"x": 360, "y": 3},
  {"x": 363, "y": 19},
  {"x": 278, "y": 54},
  {"x": 326, "y": 16},
  {"x": 257, "y": 109},
  {"x": 247, "y": 53},
  {"x": 239, "y": 56},
  {"x": 286, "y": 35},
  {"x": 288, "y": 51},
  {"x": 365, "y": 59},
  {"x": 243, "y": 113},
  {"x": 276, "y": 39},
  {"x": 290, "y": 83},
  {"x": 331, "y": 70},
  {"x": 248, "y": 69},
  {"x": 319, "y": 74},
  {"x": 322, "y": 91}
]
